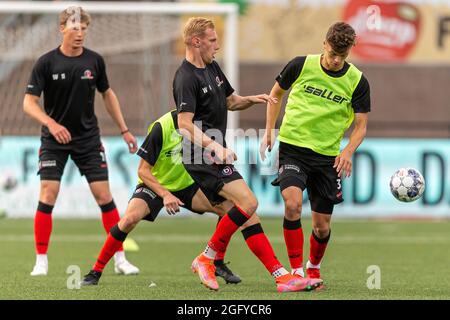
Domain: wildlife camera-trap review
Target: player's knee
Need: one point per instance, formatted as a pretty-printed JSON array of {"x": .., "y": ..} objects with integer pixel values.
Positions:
[
  {"x": 322, "y": 230},
  {"x": 49, "y": 199},
  {"x": 102, "y": 198},
  {"x": 48, "y": 195},
  {"x": 293, "y": 209},
  {"x": 254, "y": 219},
  {"x": 251, "y": 205},
  {"x": 128, "y": 223},
  {"x": 220, "y": 210}
]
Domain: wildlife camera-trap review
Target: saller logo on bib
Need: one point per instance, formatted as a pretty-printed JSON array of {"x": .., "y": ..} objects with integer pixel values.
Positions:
[
  {"x": 324, "y": 93},
  {"x": 173, "y": 152}
]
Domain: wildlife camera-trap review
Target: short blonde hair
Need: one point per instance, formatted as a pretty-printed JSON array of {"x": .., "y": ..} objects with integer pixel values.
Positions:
[
  {"x": 196, "y": 27},
  {"x": 74, "y": 13}
]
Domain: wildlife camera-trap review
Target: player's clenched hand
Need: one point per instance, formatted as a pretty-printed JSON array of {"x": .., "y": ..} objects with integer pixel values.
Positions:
[
  {"x": 172, "y": 203},
  {"x": 343, "y": 164},
  {"x": 228, "y": 156},
  {"x": 220, "y": 155},
  {"x": 267, "y": 143},
  {"x": 263, "y": 98},
  {"x": 131, "y": 142},
  {"x": 61, "y": 134}
]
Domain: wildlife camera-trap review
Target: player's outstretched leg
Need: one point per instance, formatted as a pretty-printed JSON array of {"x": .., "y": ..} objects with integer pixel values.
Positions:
[
  {"x": 201, "y": 204},
  {"x": 113, "y": 242},
  {"x": 222, "y": 269},
  {"x": 137, "y": 209},
  {"x": 110, "y": 217},
  {"x": 259, "y": 244},
  {"x": 204, "y": 263},
  {"x": 239, "y": 193}
]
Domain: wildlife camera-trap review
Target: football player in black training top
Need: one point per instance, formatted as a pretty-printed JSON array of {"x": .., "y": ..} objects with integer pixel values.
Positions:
[
  {"x": 203, "y": 97},
  {"x": 69, "y": 76}
]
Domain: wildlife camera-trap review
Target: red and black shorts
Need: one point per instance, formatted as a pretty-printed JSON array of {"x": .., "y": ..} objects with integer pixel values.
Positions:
[
  {"x": 89, "y": 156},
  {"x": 306, "y": 169}
]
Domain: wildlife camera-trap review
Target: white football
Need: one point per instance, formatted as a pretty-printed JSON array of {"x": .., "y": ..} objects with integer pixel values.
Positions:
[{"x": 407, "y": 184}]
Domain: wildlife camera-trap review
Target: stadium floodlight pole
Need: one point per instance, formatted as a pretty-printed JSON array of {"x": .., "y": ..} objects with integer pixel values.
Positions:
[{"x": 229, "y": 10}]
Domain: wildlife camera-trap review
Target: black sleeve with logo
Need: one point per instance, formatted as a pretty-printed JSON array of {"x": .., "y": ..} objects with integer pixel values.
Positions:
[
  {"x": 151, "y": 147},
  {"x": 361, "y": 96},
  {"x": 291, "y": 72},
  {"x": 228, "y": 88}
]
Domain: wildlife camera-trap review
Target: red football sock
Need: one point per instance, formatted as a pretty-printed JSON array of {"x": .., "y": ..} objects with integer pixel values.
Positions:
[
  {"x": 261, "y": 247},
  {"x": 221, "y": 255},
  {"x": 293, "y": 237},
  {"x": 317, "y": 247},
  {"x": 226, "y": 228},
  {"x": 42, "y": 227},
  {"x": 110, "y": 247},
  {"x": 110, "y": 217}
]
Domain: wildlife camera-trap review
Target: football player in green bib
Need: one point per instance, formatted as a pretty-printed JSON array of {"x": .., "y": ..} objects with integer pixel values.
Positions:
[
  {"x": 163, "y": 182},
  {"x": 327, "y": 95}
]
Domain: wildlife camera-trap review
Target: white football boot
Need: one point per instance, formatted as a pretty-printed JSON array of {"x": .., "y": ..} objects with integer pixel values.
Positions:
[
  {"x": 123, "y": 266},
  {"x": 41, "y": 266}
]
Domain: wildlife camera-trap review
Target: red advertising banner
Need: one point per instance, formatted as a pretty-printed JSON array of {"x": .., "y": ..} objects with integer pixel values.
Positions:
[
  {"x": 387, "y": 30},
  {"x": 410, "y": 31}
]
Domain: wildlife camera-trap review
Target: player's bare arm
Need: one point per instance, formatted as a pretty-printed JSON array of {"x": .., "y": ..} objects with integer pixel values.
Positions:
[
  {"x": 31, "y": 107},
  {"x": 273, "y": 110},
  {"x": 171, "y": 203},
  {"x": 113, "y": 107},
  {"x": 236, "y": 102},
  {"x": 189, "y": 130},
  {"x": 343, "y": 162}
]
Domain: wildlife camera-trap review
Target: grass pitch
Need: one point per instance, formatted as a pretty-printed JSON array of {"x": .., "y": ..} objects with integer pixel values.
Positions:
[{"x": 413, "y": 258}]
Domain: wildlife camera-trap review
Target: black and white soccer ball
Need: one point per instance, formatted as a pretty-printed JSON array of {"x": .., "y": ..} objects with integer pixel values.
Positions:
[
  {"x": 8, "y": 182},
  {"x": 407, "y": 184}
]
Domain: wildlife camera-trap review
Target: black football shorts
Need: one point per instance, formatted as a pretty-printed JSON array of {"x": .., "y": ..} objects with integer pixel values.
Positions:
[
  {"x": 89, "y": 156},
  {"x": 211, "y": 178},
  {"x": 155, "y": 203},
  {"x": 306, "y": 169}
]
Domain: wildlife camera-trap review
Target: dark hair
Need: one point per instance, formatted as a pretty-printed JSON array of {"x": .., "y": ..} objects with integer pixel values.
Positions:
[{"x": 341, "y": 36}]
